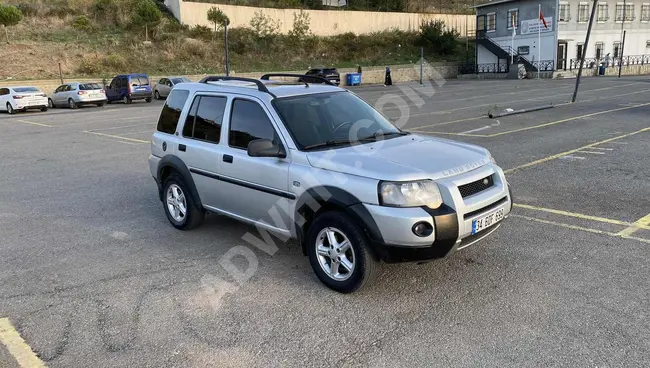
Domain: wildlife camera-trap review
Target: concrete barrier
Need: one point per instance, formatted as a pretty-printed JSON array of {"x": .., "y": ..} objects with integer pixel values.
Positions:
[{"x": 370, "y": 75}]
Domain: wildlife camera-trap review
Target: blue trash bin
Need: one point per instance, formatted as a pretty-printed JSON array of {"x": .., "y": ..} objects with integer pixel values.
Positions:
[
  {"x": 354, "y": 79},
  {"x": 601, "y": 70}
]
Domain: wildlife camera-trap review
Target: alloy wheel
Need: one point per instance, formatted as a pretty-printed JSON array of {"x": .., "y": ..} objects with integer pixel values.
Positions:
[{"x": 335, "y": 253}]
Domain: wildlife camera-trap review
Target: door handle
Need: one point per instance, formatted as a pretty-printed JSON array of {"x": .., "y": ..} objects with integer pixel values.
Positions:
[
  {"x": 227, "y": 158},
  {"x": 181, "y": 147}
]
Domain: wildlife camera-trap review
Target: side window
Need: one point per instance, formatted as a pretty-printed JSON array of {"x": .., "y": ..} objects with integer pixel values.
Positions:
[
  {"x": 162, "y": 81},
  {"x": 71, "y": 88},
  {"x": 59, "y": 89},
  {"x": 171, "y": 112},
  {"x": 4, "y": 91},
  {"x": 124, "y": 82},
  {"x": 248, "y": 122},
  {"x": 205, "y": 118}
]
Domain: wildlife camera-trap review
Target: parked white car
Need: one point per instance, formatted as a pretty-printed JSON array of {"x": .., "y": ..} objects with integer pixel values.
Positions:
[
  {"x": 76, "y": 94},
  {"x": 14, "y": 99},
  {"x": 165, "y": 85}
]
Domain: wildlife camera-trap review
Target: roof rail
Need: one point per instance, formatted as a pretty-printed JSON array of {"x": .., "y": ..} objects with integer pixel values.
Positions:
[
  {"x": 217, "y": 78},
  {"x": 301, "y": 77}
]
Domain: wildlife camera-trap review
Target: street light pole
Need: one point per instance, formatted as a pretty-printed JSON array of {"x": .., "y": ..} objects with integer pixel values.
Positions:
[{"x": 584, "y": 50}]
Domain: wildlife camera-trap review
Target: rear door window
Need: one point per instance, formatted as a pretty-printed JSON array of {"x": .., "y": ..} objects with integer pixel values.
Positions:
[
  {"x": 205, "y": 118},
  {"x": 172, "y": 110}
]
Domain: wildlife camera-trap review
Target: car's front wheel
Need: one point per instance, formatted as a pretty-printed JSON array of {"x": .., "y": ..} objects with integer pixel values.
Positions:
[
  {"x": 339, "y": 252},
  {"x": 180, "y": 208},
  {"x": 50, "y": 103},
  {"x": 157, "y": 95}
]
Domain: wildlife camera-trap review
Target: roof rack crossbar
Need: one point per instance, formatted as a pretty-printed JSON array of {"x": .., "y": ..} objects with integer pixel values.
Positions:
[
  {"x": 301, "y": 77},
  {"x": 218, "y": 78}
]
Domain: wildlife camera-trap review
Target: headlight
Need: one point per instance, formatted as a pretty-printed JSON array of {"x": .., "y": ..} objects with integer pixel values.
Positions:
[{"x": 410, "y": 194}]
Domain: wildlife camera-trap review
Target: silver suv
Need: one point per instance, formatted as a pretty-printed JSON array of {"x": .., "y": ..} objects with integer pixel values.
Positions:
[{"x": 316, "y": 163}]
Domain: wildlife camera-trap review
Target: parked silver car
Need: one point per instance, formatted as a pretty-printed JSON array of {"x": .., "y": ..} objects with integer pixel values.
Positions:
[
  {"x": 77, "y": 94},
  {"x": 319, "y": 164},
  {"x": 165, "y": 85}
]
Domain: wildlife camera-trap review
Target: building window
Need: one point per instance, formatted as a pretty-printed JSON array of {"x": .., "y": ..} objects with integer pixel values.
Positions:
[
  {"x": 617, "y": 49},
  {"x": 600, "y": 47},
  {"x": 603, "y": 12},
  {"x": 645, "y": 12},
  {"x": 583, "y": 13},
  {"x": 565, "y": 13},
  {"x": 491, "y": 22},
  {"x": 624, "y": 11},
  {"x": 579, "y": 51},
  {"x": 513, "y": 18}
]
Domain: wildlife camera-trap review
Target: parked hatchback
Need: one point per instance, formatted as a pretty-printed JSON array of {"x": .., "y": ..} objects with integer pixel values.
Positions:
[
  {"x": 330, "y": 74},
  {"x": 165, "y": 85},
  {"x": 128, "y": 88},
  {"x": 13, "y": 99},
  {"x": 76, "y": 94},
  {"x": 319, "y": 164}
]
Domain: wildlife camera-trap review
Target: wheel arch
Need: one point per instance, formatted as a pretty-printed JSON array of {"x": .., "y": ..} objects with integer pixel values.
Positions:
[
  {"x": 317, "y": 200},
  {"x": 170, "y": 164}
]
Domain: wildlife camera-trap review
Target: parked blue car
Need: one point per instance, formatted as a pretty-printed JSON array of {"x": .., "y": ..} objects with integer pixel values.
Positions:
[{"x": 129, "y": 87}]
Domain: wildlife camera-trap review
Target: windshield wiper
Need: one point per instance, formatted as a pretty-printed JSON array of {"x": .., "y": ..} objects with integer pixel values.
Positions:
[
  {"x": 330, "y": 143},
  {"x": 384, "y": 135}
]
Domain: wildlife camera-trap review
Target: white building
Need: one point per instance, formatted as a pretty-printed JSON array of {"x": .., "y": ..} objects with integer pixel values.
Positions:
[{"x": 561, "y": 40}]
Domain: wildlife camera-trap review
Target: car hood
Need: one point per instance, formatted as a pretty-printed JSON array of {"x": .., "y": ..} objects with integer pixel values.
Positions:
[{"x": 409, "y": 157}]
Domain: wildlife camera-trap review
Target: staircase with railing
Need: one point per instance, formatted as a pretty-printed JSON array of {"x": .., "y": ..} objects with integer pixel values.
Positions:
[{"x": 507, "y": 54}]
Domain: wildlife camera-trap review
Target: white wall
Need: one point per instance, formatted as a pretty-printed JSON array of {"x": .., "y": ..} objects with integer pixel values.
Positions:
[
  {"x": 548, "y": 50},
  {"x": 635, "y": 42},
  {"x": 175, "y": 7},
  {"x": 484, "y": 56}
]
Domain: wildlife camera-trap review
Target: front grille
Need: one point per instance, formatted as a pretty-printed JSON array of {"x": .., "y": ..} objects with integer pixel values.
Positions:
[{"x": 474, "y": 187}]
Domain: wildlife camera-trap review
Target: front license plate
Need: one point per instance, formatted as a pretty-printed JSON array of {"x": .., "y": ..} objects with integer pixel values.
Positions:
[{"x": 486, "y": 221}]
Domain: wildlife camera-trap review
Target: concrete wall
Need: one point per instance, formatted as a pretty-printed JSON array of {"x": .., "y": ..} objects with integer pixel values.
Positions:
[
  {"x": 370, "y": 75},
  {"x": 323, "y": 22}
]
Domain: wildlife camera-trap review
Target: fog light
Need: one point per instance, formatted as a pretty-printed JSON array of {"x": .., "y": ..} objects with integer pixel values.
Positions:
[{"x": 422, "y": 229}]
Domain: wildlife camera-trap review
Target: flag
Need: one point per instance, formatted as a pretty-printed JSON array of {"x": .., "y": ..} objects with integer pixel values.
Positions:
[{"x": 541, "y": 17}]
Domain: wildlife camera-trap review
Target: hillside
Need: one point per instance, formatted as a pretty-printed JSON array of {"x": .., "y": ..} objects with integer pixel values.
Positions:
[{"x": 98, "y": 38}]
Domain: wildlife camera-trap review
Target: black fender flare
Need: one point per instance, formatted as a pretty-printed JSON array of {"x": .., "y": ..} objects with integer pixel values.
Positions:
[
  {"x": 335, "y": 198},
  {"x": 175, "y": 163}
]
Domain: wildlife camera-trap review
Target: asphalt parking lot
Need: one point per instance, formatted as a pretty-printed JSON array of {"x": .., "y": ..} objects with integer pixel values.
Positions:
[{"x": 93, "y": 275}]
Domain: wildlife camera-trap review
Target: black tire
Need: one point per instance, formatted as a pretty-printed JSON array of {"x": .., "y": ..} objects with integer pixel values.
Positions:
[
  {"x": 50, "y": 103},
  {"x": 365, "y": 264},
  {"x": 148, "y": 99},
  {"x": 157, "y": 95},
  {"x": 127, "y": 100},
  {"x": 109, "y": 102},
  {"x": 43, "y": 109},
  {"x": 10, "y": 109},
  {"x": 194, "y": 215},
  {"x": 101, "y": 104},
  {"x": 72, "y": 104}
]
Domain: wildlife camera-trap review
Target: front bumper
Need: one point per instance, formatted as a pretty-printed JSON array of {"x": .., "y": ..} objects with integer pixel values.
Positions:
[{"x": 395, "y": 241}]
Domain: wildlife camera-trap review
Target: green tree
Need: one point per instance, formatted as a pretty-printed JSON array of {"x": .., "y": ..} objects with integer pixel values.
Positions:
[
  {"x": 147, "y": 14},
  {"x": 218, "y": 18},
  {"x": 301, "y": 23},
  {"x": 264, "y": 26},
  {"x": 9, "y": 16}
]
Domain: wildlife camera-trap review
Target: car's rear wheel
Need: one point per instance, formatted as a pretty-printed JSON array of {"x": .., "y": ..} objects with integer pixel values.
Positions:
[
  {"x": 50, "y": 103},
  {"x": 180, "y": 208},
  {"x": 101, "y": 104},
  {"x": 339, "y": 253},
  {"x": 10, "y": 109},
  {"x": 126, "y": 100},
  {"x": 157, "y": 95},
  {"x": 72, "y": 104},
  {"x": 148, "y": 99},
  {"x": 44, "y": 109}
]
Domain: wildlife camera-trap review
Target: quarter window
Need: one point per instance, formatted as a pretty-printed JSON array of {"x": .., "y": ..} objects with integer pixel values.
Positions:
[
  {"x": 205, "y": 118},
  {"x": 249, "y": 122},
  {"x": 171, "y": 112}
]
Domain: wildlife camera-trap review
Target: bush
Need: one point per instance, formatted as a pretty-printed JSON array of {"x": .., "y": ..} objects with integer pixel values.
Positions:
[
  {"x": 200, "y": 32},
  {"x": 60, "y": 9},
  {"x": 264, "y": 26},
  {"x": 435, "y": 36},
  {"x": 114, "y": 62},
  {"x": 105, "y": 10},
  {"x": 89, "y": 66},
  {"x": 146, "y": 13},
  {"x": 82, "y": 23}
]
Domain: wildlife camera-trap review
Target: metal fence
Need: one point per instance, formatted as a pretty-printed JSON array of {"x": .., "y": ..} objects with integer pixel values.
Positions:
[
  {"x": 591, "y": 63},
  {"x": 491, "y": 68},
  {"x": 544, "y": 65}
]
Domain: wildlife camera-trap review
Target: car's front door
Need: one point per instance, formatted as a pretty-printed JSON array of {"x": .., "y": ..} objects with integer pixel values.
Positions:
[{"x": 256, "y": 188}]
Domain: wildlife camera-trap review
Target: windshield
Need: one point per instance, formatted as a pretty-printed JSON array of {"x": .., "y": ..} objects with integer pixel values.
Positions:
[
  {"x": 25, "y": 89},
  {"x": 332, "y": 119},
  {"x": 180, "y": 80},
  {"x": 89, "y": 86}
]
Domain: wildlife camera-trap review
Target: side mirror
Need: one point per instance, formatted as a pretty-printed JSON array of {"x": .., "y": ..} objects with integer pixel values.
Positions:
[{"x": 265, "y": 148}]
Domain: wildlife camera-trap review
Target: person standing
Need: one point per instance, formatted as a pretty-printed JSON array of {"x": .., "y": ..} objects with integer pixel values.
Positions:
[{"x": 388, "y": 81}]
